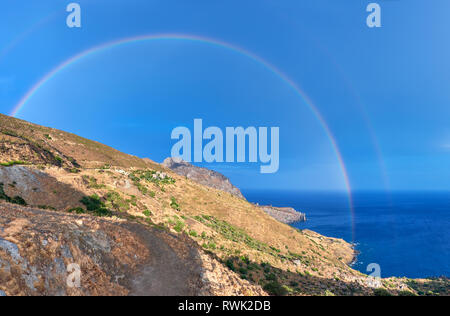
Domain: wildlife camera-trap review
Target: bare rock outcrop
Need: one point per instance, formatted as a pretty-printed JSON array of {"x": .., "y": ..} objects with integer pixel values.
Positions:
[
  {"x": 203, "y": 176},
  {"x": 44, "y": 252},
  {"x": 286, "y": 215}
]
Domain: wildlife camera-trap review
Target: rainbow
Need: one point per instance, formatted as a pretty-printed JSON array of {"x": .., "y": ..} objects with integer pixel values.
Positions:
[{"x": 209, "y": 41}]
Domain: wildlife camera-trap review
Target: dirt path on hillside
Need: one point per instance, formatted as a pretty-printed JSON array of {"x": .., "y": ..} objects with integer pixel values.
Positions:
[
  {"x": 113, "y": 258},
  {"x": 174, "y": 269}
]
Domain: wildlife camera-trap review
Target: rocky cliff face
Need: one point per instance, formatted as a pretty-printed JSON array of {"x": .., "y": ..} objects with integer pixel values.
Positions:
[
  {"x": 203, "y": 176},
  {"x": 286, "y": 215}
]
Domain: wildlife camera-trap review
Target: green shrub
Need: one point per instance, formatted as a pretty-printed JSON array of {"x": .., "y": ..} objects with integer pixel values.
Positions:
[
  {"x": 150, "y": 176},
  {"x": 230, "y": 265},
  {"x": 46, "y": 207},
  {"x": 92, "y": 202},
  {"x": 77, "y": 210},
  {"x": 179, "y": 226},
  {"x": 13, "y": 163},
  {"x": 115, "y": 201},
  {"x": 18, "y": 200},
  {"x": 3, "y": 195},
  {"x": 15, "y": 200},
  {"x": 142, "y": 188},
  {"x": 246, "y": 260},
  {"x": 243, "y": 271},
  {"x": 174, "y": 204},
  {"x": 92, "y": 183},
  {"x": 275, "y": 289},
  {"x": 381, "y": 292},
  {"x": 271, "y": 277},
  {"x": 102, "y": 212},
  {"x": 95, "y": 206},
  {"x": 10, "y": 133}
]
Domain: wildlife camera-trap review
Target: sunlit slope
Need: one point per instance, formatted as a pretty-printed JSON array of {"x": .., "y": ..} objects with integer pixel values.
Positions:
[
  {"x": 29, "y": 142},
  {"x": 54, "y": 170}
]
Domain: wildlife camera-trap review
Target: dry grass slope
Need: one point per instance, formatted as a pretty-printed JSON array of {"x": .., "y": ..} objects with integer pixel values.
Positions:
[{"x": 59, "y": 171}]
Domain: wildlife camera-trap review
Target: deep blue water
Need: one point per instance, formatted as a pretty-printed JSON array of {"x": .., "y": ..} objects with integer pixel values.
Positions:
[{"x": 406, "y": 233}]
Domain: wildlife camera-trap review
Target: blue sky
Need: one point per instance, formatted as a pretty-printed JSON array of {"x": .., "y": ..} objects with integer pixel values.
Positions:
[{"x": 383, "y": 92}]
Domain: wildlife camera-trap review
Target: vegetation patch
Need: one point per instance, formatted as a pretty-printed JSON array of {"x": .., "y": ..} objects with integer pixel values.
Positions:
[
  {"x": 235, "y": 234},
  {"x": 115, "y": 201},
  {"x": 14, "y": 200},
  {"x": 46, "y": 207},
  {"x": 151, "y": 176},
  {"x": 92, "y": 183},
  {"x": 157, "y": 178},
  {"x": 174, "y": 204},
  {"x": 13, "y": 163},
  {"x": 95, "y": 206},
  {"x": 381, "y": 292},
  {"x": 275, "y": 289},
  {"x": 179, "y": 225},
  {"x": 9, "y": 133},
  {"x": 430, "y": 287},
  {"x": 77, "y": 210}
]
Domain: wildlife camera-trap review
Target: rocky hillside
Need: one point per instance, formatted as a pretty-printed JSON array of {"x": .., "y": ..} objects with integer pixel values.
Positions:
[
  {"x": 286, "y": 215},
  {"x": 134, "y": 227},
  {"x": 38, "y": 250},
  {"x": 203, "y": 176},
  {"x": 218, "y": 181}
]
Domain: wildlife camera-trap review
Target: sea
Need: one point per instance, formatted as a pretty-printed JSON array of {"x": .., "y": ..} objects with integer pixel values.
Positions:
[{"x": 407, "y": 234}]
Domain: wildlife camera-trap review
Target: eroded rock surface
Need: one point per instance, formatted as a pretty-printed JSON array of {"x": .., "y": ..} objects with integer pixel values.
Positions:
[
  {"x": 203, "y": 176},
  {"x": 40, "y": 252},
  {"x": 285, "y": 215}
]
